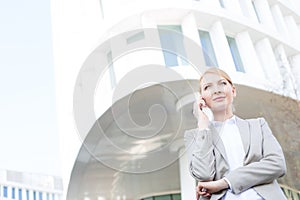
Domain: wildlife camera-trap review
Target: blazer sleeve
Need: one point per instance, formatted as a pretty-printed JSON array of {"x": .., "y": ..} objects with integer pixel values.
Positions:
[
  {"x": 199, "y": 147},
  {"x": 270, "y": 167}
]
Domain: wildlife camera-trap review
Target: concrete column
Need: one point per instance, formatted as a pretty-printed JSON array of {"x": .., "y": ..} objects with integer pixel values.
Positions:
[
  {"x": 279, "y": 20},
  {"x": 293, "y": 30},
  {"x": 233, "y": 6},
  {"x": 190, "y": 30},
  {"x": 248, "y": 55},
  {"x": 268, "y": 61},
  {"x": 187, "y": 182},
  {"x": 221, "y": 47},
  {"x": 264, "y": 13},
  {"x": 295, "y": 69},
  {"x": 247, "y": 8},
  {"x": 284, "y": 67}
]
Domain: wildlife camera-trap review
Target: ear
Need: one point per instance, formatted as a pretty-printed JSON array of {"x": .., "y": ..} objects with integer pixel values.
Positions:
[{"x": 234, "y": 91}]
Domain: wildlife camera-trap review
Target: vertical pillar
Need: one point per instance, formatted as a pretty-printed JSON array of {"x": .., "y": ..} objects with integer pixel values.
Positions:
[
  {"x": 264, "y": 13},
  {"x": 267, "y": 59},
  {"x": 193, "y": 50},
  {"x": 233, "y": 6},
  {"x": 279, "y": 20},
  {"x": 295, "y": 63},
  {"x": 284, "y": 67},
  {"x": 293, "y": 30},
  {"x": 248, "y": 10},
  {"x": 187, "y": 182},
  {"x": 248, "y": 55},
  {"x": 221, "y": 47}
]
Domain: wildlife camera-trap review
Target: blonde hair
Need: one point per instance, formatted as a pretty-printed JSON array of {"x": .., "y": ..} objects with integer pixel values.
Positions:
[{"x": 214, "y": 70}]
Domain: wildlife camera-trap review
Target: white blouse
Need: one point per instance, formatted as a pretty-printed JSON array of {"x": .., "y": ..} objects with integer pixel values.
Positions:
[{"x": 231, "y": 138}]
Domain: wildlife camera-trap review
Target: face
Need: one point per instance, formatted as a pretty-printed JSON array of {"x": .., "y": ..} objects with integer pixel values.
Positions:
[{"x": 217, "y": 92}]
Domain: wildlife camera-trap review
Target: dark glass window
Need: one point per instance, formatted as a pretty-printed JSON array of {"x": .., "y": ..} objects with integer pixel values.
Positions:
[
  {"x": 235, "y": 54},
  {"x": 13, "y": 193},
  {"x": 207, "y": 49},
  {"x": 171, "y": 40},
  {"x": 40, "y": 196},
  {"x": 5, "y": 194},
  {"x": 20, "y": 194}
]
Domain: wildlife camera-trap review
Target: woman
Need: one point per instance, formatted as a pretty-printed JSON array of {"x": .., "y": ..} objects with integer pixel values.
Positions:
[{"x": 231, "y": 158}]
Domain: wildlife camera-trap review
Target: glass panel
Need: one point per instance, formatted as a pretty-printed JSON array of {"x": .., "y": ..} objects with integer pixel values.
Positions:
[
  {"x": 111, "y": 69},
  {"x": 171, "y": 40},
  {"x": 5, "y": 191},
  {"x": 164, "y": 197},
  {"x": 176, "y": 197},
  {"x": 27, "y": 194},
  {"x": 235, "y": 54},
  {"x": 148, "y": 198},
  {"x": 40, "y": 196},
  {"x": 136, "y": 37},
  {"x": 13, "y": 195},
  {"x": 221, "y": 2},
  {"x": 20, "y": 194},
  {"x": 207, "y": 49},
  {"x": 255, "y": 10}
]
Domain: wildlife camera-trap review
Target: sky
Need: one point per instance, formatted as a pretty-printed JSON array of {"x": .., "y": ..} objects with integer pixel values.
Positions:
[{"x": 29, "y": 138}]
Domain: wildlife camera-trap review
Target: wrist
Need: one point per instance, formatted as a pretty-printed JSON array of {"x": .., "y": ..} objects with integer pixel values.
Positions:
[{"x": 224, "y": 184}]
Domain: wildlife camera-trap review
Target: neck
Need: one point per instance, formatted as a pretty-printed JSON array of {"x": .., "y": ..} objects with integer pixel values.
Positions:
[{"x": 222, "y": 115}]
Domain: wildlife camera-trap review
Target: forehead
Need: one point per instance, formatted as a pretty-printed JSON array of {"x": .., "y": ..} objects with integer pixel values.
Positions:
[{"x": 211, "y": 78}]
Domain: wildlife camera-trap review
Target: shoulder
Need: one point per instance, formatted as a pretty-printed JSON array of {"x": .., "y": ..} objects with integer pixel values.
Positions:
[{"x": 261, "y": 120}]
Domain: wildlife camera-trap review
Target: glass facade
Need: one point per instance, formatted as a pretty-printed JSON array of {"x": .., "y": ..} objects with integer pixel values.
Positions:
[
  {"x": 111, "y": 69},
  {"x": 171, "y": 40},
  {"x": 164, "y": 197},
  {"x": 207, "y": 49},
  {"x": 235, "y": 54}
]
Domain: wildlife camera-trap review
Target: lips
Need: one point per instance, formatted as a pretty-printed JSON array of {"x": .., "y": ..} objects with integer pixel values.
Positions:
[{"x": 218, "y": 98}]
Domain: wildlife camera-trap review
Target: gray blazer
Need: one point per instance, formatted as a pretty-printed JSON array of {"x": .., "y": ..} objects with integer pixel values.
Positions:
[{"x": 264, "y": 161}]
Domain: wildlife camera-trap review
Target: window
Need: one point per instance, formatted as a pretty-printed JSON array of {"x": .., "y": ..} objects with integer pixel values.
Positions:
[
  {"x": 171, "y": 40},
  {"x": 20, "y": 194},
  {"x": 34, "y": 195},
  {"x": 111, "y": 69},
  {"x": 5, "y": 191},
  {"x": 101, "y": 9},
  {"x": 163, "y": 197},
  {"x": 40, "y": 196},
  {"x": 136, "y": 37},
  {"x": 221, "y": 2},
  {"x": 235, "y": 54},
  {"x": 27, "y": 194},
  {"x": 207, "y": 49},
  {"x": 13, "y": 195},
  {"x": 255, "y": 10}
]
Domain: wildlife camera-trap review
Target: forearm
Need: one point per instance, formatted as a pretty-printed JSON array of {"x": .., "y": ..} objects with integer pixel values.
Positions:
[
  {"x": 201, "y": 156},
  {"x": 254, "y": 174}
]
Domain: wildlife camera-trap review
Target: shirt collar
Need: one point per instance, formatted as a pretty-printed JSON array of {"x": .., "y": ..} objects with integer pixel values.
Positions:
[{"x": 231, "y": 120}]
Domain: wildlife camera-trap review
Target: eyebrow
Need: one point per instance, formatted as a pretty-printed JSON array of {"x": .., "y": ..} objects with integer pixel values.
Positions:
[{"x": 210, "y": 83}]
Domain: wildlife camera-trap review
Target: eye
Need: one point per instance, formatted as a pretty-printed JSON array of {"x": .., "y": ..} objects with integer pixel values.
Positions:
[
  {"x": 206, "y": 87},
  {"x": 224, "y": 83}
]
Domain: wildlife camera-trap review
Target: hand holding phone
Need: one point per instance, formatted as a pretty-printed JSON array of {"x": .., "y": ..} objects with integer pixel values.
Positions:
[{"x": 202, "y": 113}]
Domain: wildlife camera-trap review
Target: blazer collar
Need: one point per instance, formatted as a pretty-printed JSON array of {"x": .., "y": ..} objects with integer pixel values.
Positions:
[{"x": 244, "y": 130}]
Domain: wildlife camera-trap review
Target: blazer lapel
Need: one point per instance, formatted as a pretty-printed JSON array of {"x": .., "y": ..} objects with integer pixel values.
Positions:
[
  {"x": 217, "y": 141},
  {"x": 245, "y": 133}
]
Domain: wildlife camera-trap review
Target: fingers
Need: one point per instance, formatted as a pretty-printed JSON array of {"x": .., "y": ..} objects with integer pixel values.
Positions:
[{"x": 201, "y": 103}]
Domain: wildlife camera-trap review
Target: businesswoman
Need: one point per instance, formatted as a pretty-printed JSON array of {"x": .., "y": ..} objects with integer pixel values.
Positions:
[{"x": 231, "y": 158}]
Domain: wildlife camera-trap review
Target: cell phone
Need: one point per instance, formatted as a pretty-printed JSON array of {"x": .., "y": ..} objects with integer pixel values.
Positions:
[{"x": 208, "y": 112}]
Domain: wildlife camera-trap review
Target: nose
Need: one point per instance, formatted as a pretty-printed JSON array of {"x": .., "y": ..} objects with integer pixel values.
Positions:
[{"x": 217, "y": 89}]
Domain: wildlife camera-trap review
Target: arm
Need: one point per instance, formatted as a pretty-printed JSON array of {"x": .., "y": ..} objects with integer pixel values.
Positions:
[
  {"x": 270, "y": 167},
  {"x": 200, "y": 153}
]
